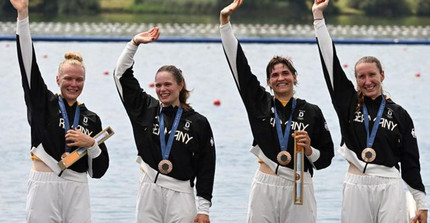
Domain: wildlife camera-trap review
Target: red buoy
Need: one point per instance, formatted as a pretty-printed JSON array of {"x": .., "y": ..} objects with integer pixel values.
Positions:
[
  {"x": 418, "y": 74},
  {"x": 345, "y": 65},
  {"x": 151, "y": 84},
  {"x": 45, "y": 56},
  {"x": 217, "y": 102},
  {"x": 106, "y": 72}
]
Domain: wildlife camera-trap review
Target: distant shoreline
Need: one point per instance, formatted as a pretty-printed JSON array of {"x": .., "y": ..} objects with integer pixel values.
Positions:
[{"x": 199, "y": 30}]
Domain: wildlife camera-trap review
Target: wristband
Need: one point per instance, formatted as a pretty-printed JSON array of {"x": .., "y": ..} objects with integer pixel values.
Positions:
[{"x": 134, "y": 42}]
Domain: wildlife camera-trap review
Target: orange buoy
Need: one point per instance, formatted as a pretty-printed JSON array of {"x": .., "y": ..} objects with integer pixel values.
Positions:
[
  {"x": 217, "y": 102},
  {"x": 151, "y": 84}
]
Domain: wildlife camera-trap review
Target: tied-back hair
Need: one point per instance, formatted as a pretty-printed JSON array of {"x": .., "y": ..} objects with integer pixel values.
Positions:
[
  {"x": 72, "y": 58},
  {"x": 280, "y": 60},
  {"x": 366, "y": 59},
  {"x": 179, "y": 78}
]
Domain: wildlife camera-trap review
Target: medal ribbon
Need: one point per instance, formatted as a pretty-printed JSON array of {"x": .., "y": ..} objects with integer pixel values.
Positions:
[
  {"x": 165, "y": 149},
  {"x": 283, "y": 139},
  {"x": 371, "y": 138},
  {"x": 66, "y": 119}
]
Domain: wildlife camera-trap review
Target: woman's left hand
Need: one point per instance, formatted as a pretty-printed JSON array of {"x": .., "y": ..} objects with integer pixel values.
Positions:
[
  {"x": 421, "y": 217},
  {"x": 146, "y": 37},
  {"x": 303, "y": 140},
  {"x": 202, "y": 218},
  {"x": 74, "y": 137}
]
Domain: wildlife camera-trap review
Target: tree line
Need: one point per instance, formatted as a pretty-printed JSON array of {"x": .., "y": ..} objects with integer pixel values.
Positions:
[{"x": 288, "y": 8}]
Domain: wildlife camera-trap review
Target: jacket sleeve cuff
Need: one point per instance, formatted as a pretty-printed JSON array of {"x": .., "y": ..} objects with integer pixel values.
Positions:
[
  {"x": 314, "y": 156},
  {"x": 419, "y": 197},
  {"x": 94, "y": 151},
  {"x": 203, "y": 206}
]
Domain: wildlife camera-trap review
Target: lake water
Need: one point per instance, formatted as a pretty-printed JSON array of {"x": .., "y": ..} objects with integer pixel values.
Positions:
[{"x": 113, "y": 197}]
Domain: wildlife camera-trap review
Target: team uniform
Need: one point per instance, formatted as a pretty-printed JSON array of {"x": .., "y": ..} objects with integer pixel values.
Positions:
[
  {"x": 271, "y": 196},
  {"x": 377, "y": 194},
  {"x": 167, "y": 197},
  {"x": 58, "y": 196}
]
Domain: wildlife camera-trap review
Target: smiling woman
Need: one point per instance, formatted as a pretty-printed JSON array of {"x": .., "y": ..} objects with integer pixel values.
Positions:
[
  {"x": 57, "y": 128},
  {"x": 71, "y": 77},
  {"x": 169, "y": 169},
  {"x": 378, "y": 138},
  {"x": 282, "y": 125}
]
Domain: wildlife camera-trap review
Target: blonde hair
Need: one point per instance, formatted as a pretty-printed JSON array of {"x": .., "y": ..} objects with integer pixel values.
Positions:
[{"x": 72, "y": 58}]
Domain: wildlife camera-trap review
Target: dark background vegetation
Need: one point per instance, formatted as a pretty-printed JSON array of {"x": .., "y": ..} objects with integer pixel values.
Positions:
[{"x": 251, "y": 11}]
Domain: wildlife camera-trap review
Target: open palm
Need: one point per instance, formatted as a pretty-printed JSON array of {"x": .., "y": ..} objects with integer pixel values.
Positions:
[{"x": 148, "y": 36}]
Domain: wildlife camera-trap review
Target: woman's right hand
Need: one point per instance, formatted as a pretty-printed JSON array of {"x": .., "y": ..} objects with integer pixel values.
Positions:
[
  {"x": 228, "y": 10},
  {"x": 21, "y": 7},
  {"x": 318, "y": 7},
  {"x": 146, "y": 37}
]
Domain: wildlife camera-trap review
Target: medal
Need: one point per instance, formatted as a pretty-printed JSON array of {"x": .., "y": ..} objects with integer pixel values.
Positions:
[
  {"x": 284, "y": 158},
  {"x": 165, "y": 166},
  {"x": 368, "y": 155},
  {"x": 63, "y": 110}
]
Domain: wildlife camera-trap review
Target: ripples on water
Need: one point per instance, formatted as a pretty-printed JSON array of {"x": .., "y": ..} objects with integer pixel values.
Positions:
[{"x": 113, "y": 197}]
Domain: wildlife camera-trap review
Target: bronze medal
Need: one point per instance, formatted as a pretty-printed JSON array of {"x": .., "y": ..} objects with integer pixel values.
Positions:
[
  {"x": 165, "y": 166},
  {"x": 284, "y": 158},
  {"x": 368, "y": 155}
]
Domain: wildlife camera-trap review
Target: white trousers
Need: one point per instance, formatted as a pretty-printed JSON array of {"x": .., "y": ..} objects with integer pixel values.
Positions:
[
  {"x": 271, "y": 201},
  {"x": 156, "y": 204},
  {"x": 52, "y": 199},
  {"x": 373, "y": 199}
]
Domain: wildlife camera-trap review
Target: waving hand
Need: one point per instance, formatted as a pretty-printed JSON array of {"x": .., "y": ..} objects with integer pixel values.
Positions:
[{"x": 228, "y": 10}]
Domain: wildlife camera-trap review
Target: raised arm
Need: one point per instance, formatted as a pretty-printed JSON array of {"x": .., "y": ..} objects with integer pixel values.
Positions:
[
  {"x": 125, "y": 60},
  {"x": 341, "y": 89},
  {"x": 135, "y": 100},
  {"x": 325, "y": 42},
  {"x": 24, "y": 41}
]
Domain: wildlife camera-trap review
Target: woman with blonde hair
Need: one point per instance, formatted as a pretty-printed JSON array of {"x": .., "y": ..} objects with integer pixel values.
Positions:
[
  {"x": 59, "y": 125},
  {"x": 378, "y": 138}
]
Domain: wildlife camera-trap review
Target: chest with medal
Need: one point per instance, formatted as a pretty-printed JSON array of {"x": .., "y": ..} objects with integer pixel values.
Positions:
[
  {"x": 284, "y": 157},
  {"x": 369, "y": 154},
  {"x": 66, "y": 121},
  {"x": 165, "y": 166}
]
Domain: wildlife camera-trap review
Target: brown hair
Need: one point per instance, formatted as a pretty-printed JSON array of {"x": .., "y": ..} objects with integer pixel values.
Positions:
[
  {"x": 277, "y": 60},
  {"x": 72, "y": 58},
  {"x": 179, "y": 78},
  {"x": 365, "y": 59}
]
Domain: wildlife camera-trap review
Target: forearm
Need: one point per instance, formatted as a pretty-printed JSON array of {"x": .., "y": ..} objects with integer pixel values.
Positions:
[
  {"x": 125, "y": 60},
  {"x": 325, "y": 45},
  {"x": 230, "y": 44},
  {"x": 25, "y": 46}
]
